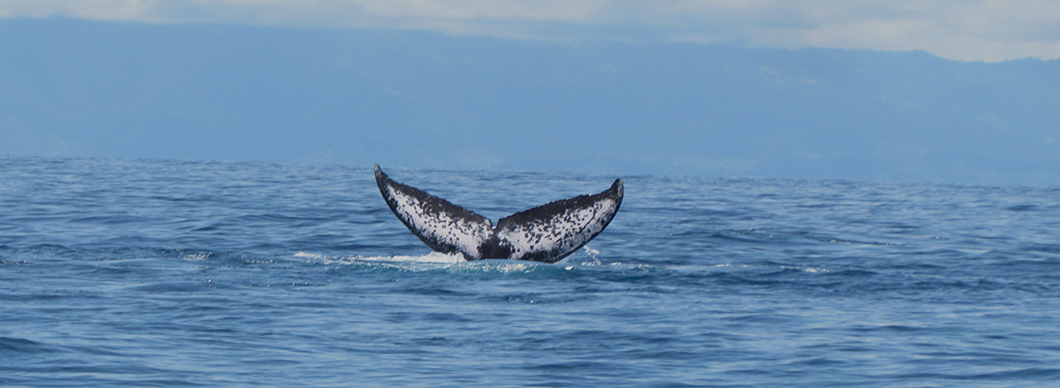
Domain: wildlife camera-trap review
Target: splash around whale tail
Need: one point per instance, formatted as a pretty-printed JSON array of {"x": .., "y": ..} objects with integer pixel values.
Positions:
[{"x": 546, "y": 233}]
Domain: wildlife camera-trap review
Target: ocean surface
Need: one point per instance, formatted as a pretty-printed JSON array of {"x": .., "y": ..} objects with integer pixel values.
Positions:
[{"x": 161, "y": 273}]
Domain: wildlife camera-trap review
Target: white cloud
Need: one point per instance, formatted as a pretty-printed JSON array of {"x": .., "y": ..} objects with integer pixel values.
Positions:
[
  {"x": 87, "y": 9},
  {"x": 987, "y": 30}
]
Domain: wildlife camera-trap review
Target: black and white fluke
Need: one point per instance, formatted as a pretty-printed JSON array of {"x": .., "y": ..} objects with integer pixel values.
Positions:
[{"x": 546, "y": 233}]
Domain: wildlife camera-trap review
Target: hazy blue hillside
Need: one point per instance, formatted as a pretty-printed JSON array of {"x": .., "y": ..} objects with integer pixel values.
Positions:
[{"x": 422, "y": 99}]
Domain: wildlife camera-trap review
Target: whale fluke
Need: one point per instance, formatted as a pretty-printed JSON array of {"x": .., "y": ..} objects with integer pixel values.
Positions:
[{"x": 546, "y": 233}]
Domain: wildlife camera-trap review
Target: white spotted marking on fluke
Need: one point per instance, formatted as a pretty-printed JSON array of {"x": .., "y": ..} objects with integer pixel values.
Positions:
[{"x": 546, "y": 233}]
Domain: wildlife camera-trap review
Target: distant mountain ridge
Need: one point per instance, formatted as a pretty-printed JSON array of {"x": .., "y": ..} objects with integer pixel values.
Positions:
[{"x": 422, "y": 99}]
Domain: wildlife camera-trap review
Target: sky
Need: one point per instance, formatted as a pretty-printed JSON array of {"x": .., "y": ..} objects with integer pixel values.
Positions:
[{"x": 964, "y": 30}]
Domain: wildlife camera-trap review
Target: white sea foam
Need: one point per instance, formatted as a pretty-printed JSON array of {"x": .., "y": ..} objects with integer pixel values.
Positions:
[
  {"x": 196, "y": 256},
  {"x": 433, "y": 257}
]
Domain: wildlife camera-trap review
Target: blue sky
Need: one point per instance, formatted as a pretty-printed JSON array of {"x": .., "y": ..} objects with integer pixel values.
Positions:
[{"x": 966, "y": 30}]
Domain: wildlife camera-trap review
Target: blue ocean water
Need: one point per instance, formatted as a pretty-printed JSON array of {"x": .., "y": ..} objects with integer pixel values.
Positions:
[{"x": 173, "y": 273}]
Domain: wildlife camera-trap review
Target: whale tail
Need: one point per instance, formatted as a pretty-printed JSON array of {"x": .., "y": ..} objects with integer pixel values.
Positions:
[{"x": 546, "y": 233}]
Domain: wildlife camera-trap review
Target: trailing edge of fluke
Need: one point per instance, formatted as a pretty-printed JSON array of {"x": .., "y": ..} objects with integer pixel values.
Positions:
[{"x": 546, "y": 233}]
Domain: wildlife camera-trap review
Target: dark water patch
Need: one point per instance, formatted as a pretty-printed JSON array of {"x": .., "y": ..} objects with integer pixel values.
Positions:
[
  {"x": 570, "y": 366},
  {"x": 111, "y": 220},
  {"x": 20, "y": 346},
  {"x": 435, "y": 291},
  {"x": 1043, "y": 248},
  {"x": 1022, "y": 208},
  {"x": 49, "y": 249},
  {"x": 908, "y": 266},
  {"x": 178, "y": 287},
  {"x": 1003, "y": 376},
  {"x": 851, "y": 273},
  {"x": 445, "y": 317}
]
